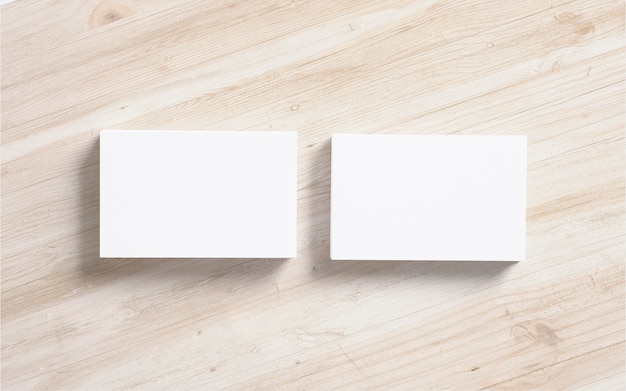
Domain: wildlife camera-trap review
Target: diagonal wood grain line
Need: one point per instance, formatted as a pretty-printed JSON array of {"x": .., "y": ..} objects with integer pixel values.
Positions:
[{"x": 491, "y": 386}]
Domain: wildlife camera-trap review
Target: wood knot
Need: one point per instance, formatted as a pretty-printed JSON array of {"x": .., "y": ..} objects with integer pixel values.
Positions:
[
  {"x": 547, "y": 334},
  {"x": 533, "y": 330},
  {"x": 586, "y": 29},
  {"x": 568, "y": 17},
  {"x": 107, "y": 12}
]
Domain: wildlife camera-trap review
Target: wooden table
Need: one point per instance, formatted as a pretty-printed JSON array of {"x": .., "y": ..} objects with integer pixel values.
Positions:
[{"x": 553, "y": 70}]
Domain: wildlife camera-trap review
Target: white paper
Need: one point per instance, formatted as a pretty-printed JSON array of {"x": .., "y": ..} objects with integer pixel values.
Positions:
[
  {"x": 409, "y": 197},
  {"x": 198, "y": 194}
]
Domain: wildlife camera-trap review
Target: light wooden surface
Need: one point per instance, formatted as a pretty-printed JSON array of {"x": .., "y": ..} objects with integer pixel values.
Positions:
[{"x": 553, "y": 70}]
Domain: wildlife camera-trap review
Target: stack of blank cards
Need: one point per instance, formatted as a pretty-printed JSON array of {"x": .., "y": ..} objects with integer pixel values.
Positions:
[{"x": 206, "y": 194}]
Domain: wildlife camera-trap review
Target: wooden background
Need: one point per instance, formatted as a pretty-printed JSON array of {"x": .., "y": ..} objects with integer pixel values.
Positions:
[{"x": 553, "y": 70}]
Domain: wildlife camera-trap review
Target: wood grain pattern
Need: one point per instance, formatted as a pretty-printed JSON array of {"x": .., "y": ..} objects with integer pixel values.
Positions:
[{"x": 552, "y": 70}]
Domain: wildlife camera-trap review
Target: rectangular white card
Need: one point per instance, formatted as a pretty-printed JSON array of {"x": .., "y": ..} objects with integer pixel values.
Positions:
[
  {"x": 198, "y": 194},
  {"x": 410, "y": 197}
]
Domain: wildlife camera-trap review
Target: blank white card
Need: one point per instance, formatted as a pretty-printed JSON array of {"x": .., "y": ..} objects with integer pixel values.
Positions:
[
  {"x": 408, "y": 197},
  {"x": 198, "y": 194}
]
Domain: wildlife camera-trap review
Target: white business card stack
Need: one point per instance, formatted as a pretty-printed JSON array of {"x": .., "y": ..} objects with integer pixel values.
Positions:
[
  {"x": 198, "y": 194},
  {"x": 441, "y": 198}
]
